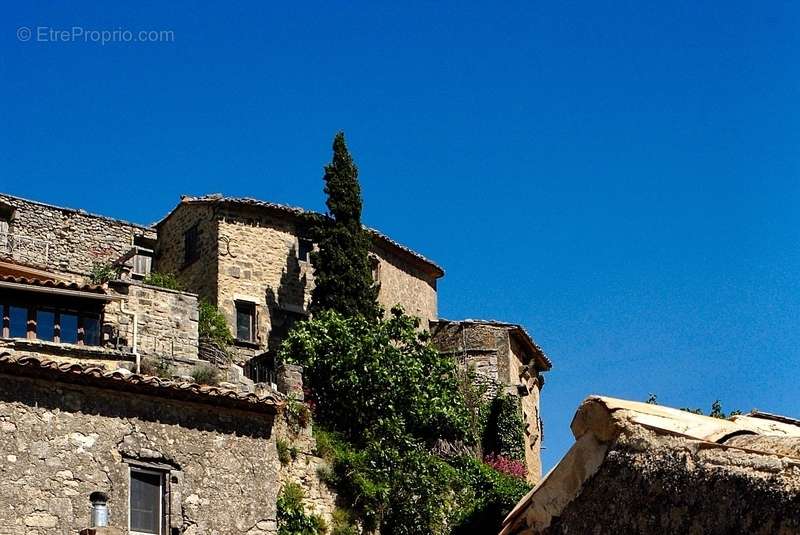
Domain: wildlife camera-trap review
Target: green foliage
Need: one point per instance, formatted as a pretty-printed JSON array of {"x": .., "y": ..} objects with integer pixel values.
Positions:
[
  {"x": 163, "y": 280},
  {"x": 213, "y": 326},
  {"x": 292, "y": 516},
  {"x": 342, "y": 271},
  {"x": 715, "y": 412},
  {"x": 284, "y": 455},
  {"x": 102, "y": 273},
  {"x": 378, "y": 378},
  {"x": 504, "y": 433},
  {"x": 387, "y": 395},
  {"x": 297, "y": 414},
  {"x": 159, "y": 367},
  {"x": 205, "y": 375},
  {"x": 343, "y": 522}
]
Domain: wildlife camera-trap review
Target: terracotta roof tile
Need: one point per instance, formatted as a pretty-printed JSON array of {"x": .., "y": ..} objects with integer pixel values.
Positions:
[
  {"x": 144, "y": 384},
  {"x": 47, "y": 283}
]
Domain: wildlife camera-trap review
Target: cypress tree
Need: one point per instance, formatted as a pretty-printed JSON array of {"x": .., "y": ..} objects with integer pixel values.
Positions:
[{"x": 342, "y": 270}]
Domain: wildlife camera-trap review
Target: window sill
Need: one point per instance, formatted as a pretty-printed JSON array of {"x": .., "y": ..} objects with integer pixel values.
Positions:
[{"x": 246, "y": 343}]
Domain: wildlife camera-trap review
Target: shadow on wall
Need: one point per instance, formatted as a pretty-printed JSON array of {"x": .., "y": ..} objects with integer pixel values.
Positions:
[{"x": 287, "y": 304}]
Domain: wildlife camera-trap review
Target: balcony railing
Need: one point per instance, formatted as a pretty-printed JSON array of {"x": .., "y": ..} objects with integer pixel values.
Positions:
[{"x": 21, "y": 247}]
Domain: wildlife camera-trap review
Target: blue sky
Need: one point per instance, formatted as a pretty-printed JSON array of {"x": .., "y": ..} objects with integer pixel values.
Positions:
[{"x": 620, "y": 177}]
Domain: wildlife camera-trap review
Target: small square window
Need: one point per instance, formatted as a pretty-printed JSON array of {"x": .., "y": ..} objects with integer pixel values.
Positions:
[
  {"x": 191, "y": 246},
  {"x": 17, "y": 322},
  {"x": 304, "y": 249},
  {"x": 146, "y": 507},
  {"x": 245, "y": 321}
]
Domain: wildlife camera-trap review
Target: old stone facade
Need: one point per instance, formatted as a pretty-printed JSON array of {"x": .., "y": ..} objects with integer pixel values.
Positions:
[
  {"x": 46, "y": 256},
  {"x": 67, "y": 432},
  {"x": 62, "y": 239},
  {"x": 505, "y": 359},
  {"x": 254, "y": 255}
]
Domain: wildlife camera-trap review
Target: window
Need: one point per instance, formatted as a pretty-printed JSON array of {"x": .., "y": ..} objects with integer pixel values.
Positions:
[
  {"x": 304, "y": 248},
  {"x": 17, "y": 322},
  {"x": 191, "y": 249},
  {"x": 375, "y": 265},
  {"x": 46, "y": 325},
  {"x": 51, "y": 324},
  {"x": 142, "y": 263},
  {"x": 146, "y": 501},
  {"x": 68, "y": 328},
  {"x": 245, "y": 321}
]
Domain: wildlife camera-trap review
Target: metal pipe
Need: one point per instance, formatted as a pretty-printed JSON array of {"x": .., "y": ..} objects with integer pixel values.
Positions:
[{"x": 135, "y": 334}]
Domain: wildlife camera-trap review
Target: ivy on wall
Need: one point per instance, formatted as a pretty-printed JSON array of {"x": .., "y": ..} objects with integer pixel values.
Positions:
[{"x": 504, "y": 434}]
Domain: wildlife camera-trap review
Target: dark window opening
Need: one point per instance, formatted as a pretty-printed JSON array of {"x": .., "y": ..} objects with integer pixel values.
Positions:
[
  {"x": 146, "y": 501},
  {"x": 245, "y": 321},
  {"x": 51, "y": 324},
  {"x": 191, "y": 247},
  {"x": 46, "y": 325},
  {"x": 17, "y": 322},
  {"x": 304, "y": 249},
  {"x": 68, "y": 331}
]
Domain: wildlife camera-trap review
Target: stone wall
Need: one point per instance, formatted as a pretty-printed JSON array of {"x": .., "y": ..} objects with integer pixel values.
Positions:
[
  {"x": 167, "y": 320},
  {"x": 258, "y": 263},
  {"x": 59, "y": 443},
  {"x": 652, "y": 483},
  {"x": 404, "y": 284},
  {"x": 199, "y": 276},
  {"x": 531, "y": 419},
  {"x": 497, "y": 357},
  {"x": 63, "y": 239}
]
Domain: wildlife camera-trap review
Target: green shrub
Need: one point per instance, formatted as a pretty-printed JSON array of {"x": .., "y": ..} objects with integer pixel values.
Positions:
[
  {"x": 343, "y": 522},
  {"x": 205, "y": 375},
  {"x": 284, "y": 455},
  {"x": 163, "y": 280},
  {"x": 297, "y": 414},
  {"x": 383, "y": 396},
  {"x": 213, "y": 326},
  {"x": 159, "y": 367},
  {"x": 378, "y": 378},
  {"x": 102, "y": 273},
  {"x": 504, "y": 434},
  {"x": 292, "y": 516}
]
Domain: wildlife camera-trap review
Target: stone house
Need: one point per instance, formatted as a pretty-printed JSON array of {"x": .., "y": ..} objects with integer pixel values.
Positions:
[
  {"x": 169, "y": 457},
  {"x": 251, "y": 259},
  {"x": 642, "y": 468},
  {"x": 505, "y": 359},
  {"x": 47, "y": 304},
  {"x": 73, "y": 342}
]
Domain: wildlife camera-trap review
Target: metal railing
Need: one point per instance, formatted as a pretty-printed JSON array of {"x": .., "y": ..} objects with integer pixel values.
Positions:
[{"x": 21, "y": 247}]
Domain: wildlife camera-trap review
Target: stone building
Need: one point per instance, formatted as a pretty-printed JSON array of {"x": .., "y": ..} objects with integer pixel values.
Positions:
[
  {"x": 641, "y": 468},
  {"x": 251, "y": 259},
  {"x": 505, "y": 359},
  {"x": 49, "y": 306},
  {"x": 170, "y": 457}
]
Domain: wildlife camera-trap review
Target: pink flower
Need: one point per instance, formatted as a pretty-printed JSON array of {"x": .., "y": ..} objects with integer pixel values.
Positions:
[{"x": 511, "y": 467}]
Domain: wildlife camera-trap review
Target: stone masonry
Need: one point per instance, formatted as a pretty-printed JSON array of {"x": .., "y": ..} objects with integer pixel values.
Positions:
[
  {"x": 167, "y": 321},
  {"x": 61, "y": 442},
  {"x": 248, "y": 251},
  {"x": 62, "y": 239},
  {"x": 505, "y": 360}
]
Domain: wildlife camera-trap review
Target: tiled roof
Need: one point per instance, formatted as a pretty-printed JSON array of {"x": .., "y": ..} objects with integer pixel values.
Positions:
[
  {"x": 544, "y": 361},
  {"x": 296, "y": 211},
  {"x": 142, "y": 384},
  {"x": 48, "y": 283}
]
